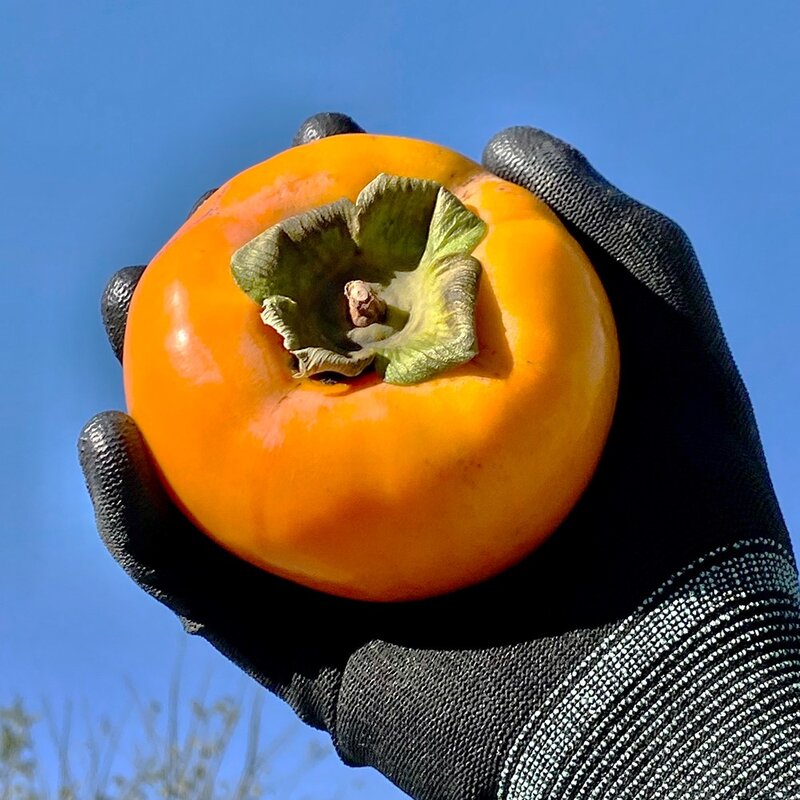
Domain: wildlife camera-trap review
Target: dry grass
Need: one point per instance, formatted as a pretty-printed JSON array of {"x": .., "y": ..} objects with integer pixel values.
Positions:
[{"x": 167, "y": 751}]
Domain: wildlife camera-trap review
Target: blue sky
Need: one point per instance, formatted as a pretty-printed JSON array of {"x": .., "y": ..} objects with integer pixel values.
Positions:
[{"x": 116, "y": 115}]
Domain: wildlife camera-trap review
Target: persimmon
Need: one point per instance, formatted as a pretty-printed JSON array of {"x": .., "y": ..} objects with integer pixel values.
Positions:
[{"x": 371, "y": 367}]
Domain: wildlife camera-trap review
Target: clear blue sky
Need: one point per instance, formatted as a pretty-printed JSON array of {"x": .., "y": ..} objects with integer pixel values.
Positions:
[{"x": 116, "y": 115}]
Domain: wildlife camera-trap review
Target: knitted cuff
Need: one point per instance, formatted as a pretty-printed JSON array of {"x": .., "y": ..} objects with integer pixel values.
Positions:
[{"x": 697, "y": 694}]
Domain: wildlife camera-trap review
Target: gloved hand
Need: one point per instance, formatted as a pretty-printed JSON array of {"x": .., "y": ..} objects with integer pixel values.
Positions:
[{"x": 650, "y": 648}]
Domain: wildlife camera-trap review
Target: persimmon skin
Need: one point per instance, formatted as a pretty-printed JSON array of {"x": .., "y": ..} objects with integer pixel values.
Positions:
[{"x": 364, "y": 489}]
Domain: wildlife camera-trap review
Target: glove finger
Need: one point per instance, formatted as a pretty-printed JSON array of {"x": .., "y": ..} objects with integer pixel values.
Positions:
[
  {"x": 138, "y": 522},
  {"x": 114, "y": 305},
  {"x": 126, "y": 495},
  {"x": 653, "y": 248},
  {"x": 200, "y": 200},
  {"x": 320, "y": 126},
  {"x": 618, "y": 231},
  {"x": 141, "y": 527}
]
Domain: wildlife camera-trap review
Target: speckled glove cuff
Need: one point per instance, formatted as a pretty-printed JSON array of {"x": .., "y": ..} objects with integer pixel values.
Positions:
[{"x": 695, "y": 695}]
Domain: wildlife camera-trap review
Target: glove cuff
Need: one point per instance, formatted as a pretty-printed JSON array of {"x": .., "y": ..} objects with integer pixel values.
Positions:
[{"x": 697, "y": 694}]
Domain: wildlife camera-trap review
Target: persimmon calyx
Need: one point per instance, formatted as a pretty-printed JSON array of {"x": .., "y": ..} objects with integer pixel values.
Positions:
[{"x": 387, "y": 282}]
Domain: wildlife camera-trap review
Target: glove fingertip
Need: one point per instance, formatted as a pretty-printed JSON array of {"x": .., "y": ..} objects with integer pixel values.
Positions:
[
  {"x": 95, "y": 440},
  {"x": 129, "y": 502},
  {"x": 200, "y": 200},
  {"x": 115, "y": 303},
  {"x": 514, "y": 153},
  {"x": 327, "y": 123}
]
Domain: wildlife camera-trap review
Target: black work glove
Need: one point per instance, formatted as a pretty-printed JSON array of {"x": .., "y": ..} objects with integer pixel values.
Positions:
[{"x": 650, "y": 648}]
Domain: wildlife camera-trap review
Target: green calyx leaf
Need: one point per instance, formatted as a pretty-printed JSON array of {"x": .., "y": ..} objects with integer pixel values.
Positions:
[{"x": 387, "y": 281}]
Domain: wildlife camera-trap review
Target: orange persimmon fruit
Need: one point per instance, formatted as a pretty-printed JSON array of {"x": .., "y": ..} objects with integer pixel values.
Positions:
[{"x": 360, "y": 484}]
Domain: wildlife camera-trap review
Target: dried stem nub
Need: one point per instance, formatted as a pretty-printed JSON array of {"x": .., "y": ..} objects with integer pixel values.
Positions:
[{"x": 364, "y": 304}]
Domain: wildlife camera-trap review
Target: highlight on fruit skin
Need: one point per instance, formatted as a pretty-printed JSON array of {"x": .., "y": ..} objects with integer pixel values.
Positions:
[{"x": 371, "y": 367}]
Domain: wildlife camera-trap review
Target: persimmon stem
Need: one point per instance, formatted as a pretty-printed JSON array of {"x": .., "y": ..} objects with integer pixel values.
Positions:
[{"x": 364, "y": 304}]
